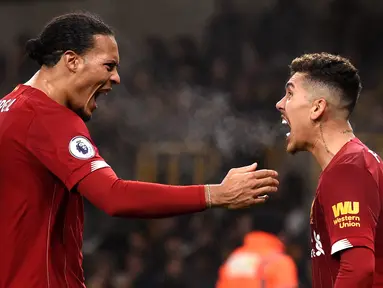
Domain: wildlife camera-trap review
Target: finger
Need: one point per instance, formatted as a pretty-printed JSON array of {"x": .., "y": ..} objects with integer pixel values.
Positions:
[
  {"x": 256, "y": 201},
  {"x": 265, "y": 197},
  {"x": 250, "y": 202},
  {"x": 264, "y": 190},
  {"x": 258, "y": 183},
  {"x": 245, "y": 169},
  {"x": 259, "y": 201},
  {"x": 264, "y": 173}
]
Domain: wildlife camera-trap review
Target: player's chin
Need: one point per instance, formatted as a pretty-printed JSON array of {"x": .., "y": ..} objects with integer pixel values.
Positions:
[
  {"x": 291, "y": 147},
  {"x": 88, "y": 111},
  {"x": 84, "y": 113},
  {"x": 294, "y": 147},
  {"x": 290, "y": 150},
  {"x": 86, "y": 117}
]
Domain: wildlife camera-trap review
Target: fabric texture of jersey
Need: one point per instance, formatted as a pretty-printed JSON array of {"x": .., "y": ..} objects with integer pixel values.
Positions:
[
  {"x": 45, "y": 150},
  {"x": 346, "y": 212}
]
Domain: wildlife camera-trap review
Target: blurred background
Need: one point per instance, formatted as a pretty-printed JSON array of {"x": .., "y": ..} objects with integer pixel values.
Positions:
[{"x": 200, "y": 79}]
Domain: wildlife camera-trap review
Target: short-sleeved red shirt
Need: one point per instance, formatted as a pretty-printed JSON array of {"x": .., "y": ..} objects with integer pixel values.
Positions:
[
  {"x": 45, "y": 150},
  {"x": 346, "y": 212}
]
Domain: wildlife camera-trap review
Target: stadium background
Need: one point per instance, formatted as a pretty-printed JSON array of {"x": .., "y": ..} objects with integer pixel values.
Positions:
[{"x": 200, "y": 79}]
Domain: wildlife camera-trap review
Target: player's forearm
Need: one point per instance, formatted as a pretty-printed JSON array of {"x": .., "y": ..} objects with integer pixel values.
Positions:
[
  {"x": 354, "y": 272},
  {"x": 139, "y": 199}
]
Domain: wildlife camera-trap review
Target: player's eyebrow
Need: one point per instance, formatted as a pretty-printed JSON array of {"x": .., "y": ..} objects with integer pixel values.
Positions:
[
  {"x": 113, "y": 62},
  {"x": 289, "y": 85}
]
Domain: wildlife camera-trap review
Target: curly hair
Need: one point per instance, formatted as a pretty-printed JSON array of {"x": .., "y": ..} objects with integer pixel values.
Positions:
[{"x": 331, "y": 70}]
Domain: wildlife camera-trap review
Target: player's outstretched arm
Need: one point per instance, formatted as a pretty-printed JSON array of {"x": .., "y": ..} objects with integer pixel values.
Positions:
[{"x": 242, "y": 187}]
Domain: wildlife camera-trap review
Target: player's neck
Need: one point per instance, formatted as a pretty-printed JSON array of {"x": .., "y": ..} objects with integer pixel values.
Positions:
[
  {"x": 48, "y": 81},
  {"x": 331, "y": 138}
]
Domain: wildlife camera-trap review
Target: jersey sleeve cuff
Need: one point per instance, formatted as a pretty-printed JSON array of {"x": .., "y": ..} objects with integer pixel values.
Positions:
[
  {"x": 350, "y": 242},
  {"x": 84, "y": 171}
]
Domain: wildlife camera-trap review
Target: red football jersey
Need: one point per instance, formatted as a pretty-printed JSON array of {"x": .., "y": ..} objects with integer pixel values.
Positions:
[
  {"x": 346, "y": 212},
  {"x": 45, "y": 150}
]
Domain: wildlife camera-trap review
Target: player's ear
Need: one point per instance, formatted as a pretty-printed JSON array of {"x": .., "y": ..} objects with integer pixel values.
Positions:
[
  {"x": 318, "y": 108},
  {"x": 71, "y": 60}
]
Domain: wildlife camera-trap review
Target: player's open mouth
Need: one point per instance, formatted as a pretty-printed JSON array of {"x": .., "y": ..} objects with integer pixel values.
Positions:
[
  {"x": 286, "y": 125},
  {"x": 99, "y": 93}
]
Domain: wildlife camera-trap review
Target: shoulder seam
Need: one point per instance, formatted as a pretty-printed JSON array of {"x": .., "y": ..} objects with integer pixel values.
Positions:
[
  {"x": 29, "y": 127},
  {"x": 32, "y": 118}
]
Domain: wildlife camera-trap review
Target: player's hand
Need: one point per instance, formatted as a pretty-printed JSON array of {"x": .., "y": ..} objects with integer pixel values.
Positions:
[{"x": 244, "y": 187}]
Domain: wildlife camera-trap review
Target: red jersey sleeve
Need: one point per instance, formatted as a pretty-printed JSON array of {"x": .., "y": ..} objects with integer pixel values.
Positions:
[
  {"x": 64, "y": 146},
  {"x": 349, "y": 198}
]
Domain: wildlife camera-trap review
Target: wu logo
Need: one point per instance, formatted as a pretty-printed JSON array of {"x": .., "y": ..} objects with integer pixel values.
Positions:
[{"x": 344, "y": 208}]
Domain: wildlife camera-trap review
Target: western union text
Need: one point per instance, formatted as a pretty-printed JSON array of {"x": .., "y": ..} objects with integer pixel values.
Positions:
[{"x": 347, "y": 221}]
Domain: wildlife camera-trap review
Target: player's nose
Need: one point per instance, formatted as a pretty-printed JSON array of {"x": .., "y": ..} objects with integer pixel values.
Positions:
[
  {"x": 115, "y": 78},
  {"x": 280, "y": 104}
]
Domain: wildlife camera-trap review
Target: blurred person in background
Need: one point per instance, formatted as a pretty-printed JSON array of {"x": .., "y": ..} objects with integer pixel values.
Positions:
[
  {"x": 44, "y": 138},
  {"x": 261, "y": 261}
]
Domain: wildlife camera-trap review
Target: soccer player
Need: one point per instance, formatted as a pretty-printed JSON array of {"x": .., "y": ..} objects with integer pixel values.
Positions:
[
  {"x": 48, "y": 161},
  {"x": 346, "y": 224}
]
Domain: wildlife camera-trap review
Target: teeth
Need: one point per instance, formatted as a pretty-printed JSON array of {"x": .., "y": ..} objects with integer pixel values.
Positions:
[
  {"x": 284, "y": 121},
  {"x": 288, "y": 134}
]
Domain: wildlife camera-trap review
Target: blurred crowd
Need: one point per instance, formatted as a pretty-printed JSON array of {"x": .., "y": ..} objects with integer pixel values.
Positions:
[{"x": 179, "y": 96}]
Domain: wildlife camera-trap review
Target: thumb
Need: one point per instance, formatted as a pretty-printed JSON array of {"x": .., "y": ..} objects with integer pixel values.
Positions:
[{"x": 248, "y": 168}]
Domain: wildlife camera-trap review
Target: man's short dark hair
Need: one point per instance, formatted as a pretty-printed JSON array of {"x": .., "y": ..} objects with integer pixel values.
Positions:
[
  {"x": 331, "y": 70},
  {"x": 73, "y": 31}
]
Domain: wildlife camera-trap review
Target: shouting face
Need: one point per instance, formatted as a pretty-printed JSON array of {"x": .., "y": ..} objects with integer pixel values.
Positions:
[
  {"x": 296, "y": 110},
  {"x": 94, "y": 74}
]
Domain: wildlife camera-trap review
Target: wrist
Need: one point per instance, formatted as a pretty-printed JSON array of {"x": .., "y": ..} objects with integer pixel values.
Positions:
[{"x": 212, "y": 195}]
